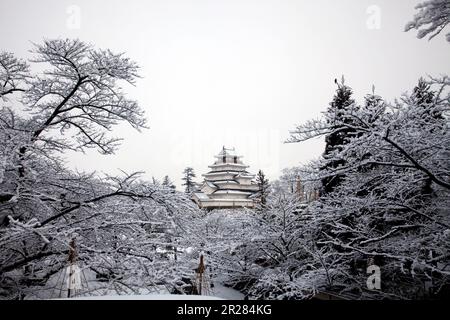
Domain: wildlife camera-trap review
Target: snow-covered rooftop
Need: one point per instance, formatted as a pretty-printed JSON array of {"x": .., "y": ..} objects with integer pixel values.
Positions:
[
  {"x": 211, "y": 185},
  {"x": 219, "y": 173},
  {"x": 245, "y": 175},
  {"x": 222, "y": 179},
  {"x": 201, "y": 196},
  {"x": 232, "y": 192},
  {"x": 231, "y": 164},
  {"x": 228, "y": 152},
  {"x": 226, "y": 182}
]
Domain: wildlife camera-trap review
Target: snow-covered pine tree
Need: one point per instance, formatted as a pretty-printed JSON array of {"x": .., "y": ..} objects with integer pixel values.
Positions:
[
  {"x": 188, "y": 178},
  {"x": 168, "y": 183},
  {"x": 422, "y": 101},
  {"x": 422, "y": 95},
  {"x": 341, "y": 105},
  {"x": 373, "y": 108},
  {"x": 263, "y": 189}
]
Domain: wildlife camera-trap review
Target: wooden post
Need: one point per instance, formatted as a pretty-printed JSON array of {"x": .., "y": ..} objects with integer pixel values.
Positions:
[
  {"x": 200, "y": 271},
  {"x": 71, "y": 259},
  {"x": 300, "y": 190}
]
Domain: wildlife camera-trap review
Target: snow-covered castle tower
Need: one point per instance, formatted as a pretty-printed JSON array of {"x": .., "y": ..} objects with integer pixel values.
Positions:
[{"x": 227, "y": 184}]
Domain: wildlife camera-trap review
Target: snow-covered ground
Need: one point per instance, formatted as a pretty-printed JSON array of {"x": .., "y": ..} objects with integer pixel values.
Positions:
[
  {"x": 223, "y": 292},
  {"x": 96, "y": 290}
]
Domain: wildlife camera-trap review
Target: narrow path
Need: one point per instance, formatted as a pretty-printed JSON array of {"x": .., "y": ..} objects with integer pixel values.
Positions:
[{"x": 220, "y": 291}]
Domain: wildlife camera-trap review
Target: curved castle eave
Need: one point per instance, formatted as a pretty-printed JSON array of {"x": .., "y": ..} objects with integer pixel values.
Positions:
[{"x": 228, "y": 184}]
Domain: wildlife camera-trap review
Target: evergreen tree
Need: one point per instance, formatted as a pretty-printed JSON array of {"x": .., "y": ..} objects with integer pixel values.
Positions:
[
  {"x": 168, "y": 183},
  {"x": 422, "y": 98},
  {"x": 338, "y": 115},
  {"x": 263, "y": 185},
  {"x": 373, "y": 108},
  {"x": 422, "y": 94},
  {"x": 188, "y": 177}
]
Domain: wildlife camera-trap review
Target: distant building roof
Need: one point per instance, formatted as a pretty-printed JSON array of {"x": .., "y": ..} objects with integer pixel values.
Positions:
[
  {"x": 228, "y": 164},
  {"x": 227, "y": 190},
  {"x": 210, "y": 184},
  {"x": 245, "y": 174},
  {"x": 228, "y": 152},
  {"x": 226, "y": 182},
  {"x": 232, "y": 192},
  {"x": 219, "y": 173},
  {"x": 201, "y": 196}
]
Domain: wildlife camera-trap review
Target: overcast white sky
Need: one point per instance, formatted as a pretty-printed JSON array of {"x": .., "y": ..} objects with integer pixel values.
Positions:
[{"x": 235, "y": 73}]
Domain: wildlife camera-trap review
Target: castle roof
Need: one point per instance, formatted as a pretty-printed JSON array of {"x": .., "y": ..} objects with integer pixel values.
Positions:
[
  {"x": 232, "y": 185},
  {"x": 227, "y": 152}
]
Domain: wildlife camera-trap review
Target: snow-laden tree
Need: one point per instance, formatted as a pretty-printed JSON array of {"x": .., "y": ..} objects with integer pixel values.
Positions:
[
  {"x": 340, "y": 106},
  {"x": 263, "y": 189},
  {"x": 14, "y": 73},
  {"x": 167, "y": 183},
  {"x": 282, "y": 244},
  {"x": 127, "y": 231},
  {"x": 391, "y": 209},
  {"x": 230, "y": 248},
  {"x": 269, "y": 255},
  {"x": 188, "y": 178},
  {"x": 298, "y": 181},
  {"x": 432, "y": 17},
  {"x": 287, "y": 182}
]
